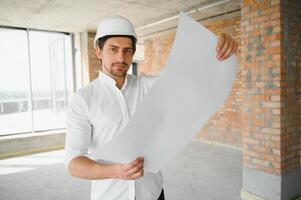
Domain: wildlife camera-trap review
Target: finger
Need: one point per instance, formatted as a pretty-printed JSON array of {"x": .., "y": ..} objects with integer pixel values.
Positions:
[
  {"x": 134, "y": 170},
  {"x": 139, "y": 159},
  {"x": 138, "y": 174},
  {"x": 220, "y": 43},
  {"x": 229, "y": 51},
  {"x": 130, "y": 176},
  {"x": 133, "y": 163},
  {"x": 236, "y": 47},
  {"x": 224, "y": 48}
]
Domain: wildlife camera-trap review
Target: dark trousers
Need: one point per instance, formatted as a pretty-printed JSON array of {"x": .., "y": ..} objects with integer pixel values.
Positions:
[{"x": 161, "y": 197}]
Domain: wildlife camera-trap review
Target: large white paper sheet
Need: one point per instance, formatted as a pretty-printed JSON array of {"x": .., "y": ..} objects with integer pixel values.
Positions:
[{"x": 190, "y": 89}]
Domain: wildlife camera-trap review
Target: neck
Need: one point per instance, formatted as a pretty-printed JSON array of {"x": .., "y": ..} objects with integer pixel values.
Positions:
[{"x": 119, "y": 81}]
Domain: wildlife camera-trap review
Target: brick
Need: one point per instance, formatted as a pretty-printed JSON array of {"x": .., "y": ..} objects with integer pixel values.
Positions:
[
  {"x": 276, "y": 152},
  {"x": 275, "y": 125},
  {"x": 275, "y": 2},
  {"x": 250, "y": 141},
  {"x": 271, "y": 130},
  {"x": 260, "y": 162},
  {"x": 274, "y": 44},
  {"x": 271, "y": 104},
  {"x": 275, "y": 15}
]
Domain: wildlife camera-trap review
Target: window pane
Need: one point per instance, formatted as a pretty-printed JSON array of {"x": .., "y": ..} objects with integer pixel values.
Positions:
[
  {"x": 69, "y": 69},
  {"x": 48, "y": 54},
  {"x": 15, "y": 114}
]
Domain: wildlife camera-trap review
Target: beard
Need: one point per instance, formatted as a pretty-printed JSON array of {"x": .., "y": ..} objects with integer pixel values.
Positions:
[{"x": 118, "y": 69}]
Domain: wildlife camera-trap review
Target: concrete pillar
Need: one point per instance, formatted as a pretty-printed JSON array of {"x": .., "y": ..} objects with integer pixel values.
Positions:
[{"x": 271, "y": 55}]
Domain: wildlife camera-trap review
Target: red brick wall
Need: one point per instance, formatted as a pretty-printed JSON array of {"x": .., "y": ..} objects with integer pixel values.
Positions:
[
  {"x": 94, "y": 62},
  {"x": 156, "y": 51},
  {"x": 271, "y": 85},
  {"x": 225, "y": 126},
  {"x": 261, "y": 85}
]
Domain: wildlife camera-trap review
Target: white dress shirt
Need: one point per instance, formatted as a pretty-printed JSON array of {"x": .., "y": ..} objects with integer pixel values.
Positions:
[{"x": 96, "y": 114}]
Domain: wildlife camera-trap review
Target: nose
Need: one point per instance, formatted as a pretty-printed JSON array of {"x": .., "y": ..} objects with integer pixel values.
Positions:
[{"x": 120, "y": 56}]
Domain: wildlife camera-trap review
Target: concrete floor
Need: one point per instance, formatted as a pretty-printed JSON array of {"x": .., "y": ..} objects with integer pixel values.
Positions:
[{"x": 200, "y": 172}]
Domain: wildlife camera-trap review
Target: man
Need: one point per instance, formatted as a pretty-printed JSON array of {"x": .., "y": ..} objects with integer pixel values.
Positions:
[{"x": 99, "y": 111}]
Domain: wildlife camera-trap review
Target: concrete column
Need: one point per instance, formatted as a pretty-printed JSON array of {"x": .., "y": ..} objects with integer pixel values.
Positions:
[{"x": 271, "y": 55}]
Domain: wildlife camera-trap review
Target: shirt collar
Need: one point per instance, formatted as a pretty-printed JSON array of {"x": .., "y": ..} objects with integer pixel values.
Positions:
[
  {"x": 124, "y": 86},
  {"x": 107, "y": 79}
]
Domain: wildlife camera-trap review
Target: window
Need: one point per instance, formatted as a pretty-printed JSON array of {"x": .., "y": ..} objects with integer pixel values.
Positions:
[{"x": 36, "y": 80}]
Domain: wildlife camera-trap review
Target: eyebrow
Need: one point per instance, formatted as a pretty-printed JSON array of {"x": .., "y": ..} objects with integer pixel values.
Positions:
[{"x": 120, "y": 47}]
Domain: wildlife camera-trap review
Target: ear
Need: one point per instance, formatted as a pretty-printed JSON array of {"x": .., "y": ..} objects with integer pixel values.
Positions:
[{"x": 99, "y": 53}]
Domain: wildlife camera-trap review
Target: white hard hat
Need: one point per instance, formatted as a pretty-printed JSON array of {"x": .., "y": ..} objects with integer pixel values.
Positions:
[{"x": 114, "y": 25}]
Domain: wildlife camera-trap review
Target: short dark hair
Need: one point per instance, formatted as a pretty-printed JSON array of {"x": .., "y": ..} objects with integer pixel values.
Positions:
[{"x": 101, "y": 41}]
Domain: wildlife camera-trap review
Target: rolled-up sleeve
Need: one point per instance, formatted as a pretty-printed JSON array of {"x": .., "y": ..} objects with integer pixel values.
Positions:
[{"x": 78, "y": 129}]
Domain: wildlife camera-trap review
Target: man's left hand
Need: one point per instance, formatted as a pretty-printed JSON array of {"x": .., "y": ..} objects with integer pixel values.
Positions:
[{"x": 226, "y": 46}]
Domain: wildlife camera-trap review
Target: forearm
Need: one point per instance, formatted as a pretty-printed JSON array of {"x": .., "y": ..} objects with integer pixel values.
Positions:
[{"x": 83, "y": 167}]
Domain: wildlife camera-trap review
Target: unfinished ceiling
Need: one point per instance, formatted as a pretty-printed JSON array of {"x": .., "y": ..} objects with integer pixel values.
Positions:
[{"x": 148, "y": 16}]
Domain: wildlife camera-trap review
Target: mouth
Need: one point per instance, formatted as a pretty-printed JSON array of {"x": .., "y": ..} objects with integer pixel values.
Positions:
[{"x": 120, "y": 66}]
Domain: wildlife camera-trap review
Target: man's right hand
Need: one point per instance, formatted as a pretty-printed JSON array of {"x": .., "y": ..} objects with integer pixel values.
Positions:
[{"x": 130, "y": 171}]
